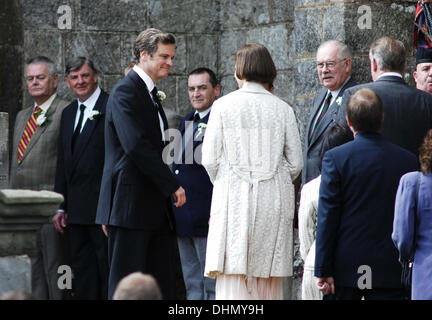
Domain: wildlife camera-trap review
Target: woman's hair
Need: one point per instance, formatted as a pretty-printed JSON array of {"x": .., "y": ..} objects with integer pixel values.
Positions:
[
  {"x": 253, "y": 62},
  {"x": 425, "y": 155},
  {"x": 335, "y": 136}
]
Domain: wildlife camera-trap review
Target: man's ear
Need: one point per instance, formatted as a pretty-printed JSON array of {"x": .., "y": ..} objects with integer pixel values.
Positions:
[
  {"x": 218, "y": 90},
  {"x": 374, "y": 65},
  {"x": 415, "y": 76}
]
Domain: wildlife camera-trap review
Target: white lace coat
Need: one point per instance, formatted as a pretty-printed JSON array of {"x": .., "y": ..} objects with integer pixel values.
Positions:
[{"x": 252, "y": 153}]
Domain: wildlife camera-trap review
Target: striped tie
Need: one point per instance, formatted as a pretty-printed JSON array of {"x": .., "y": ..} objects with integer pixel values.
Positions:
[{"x": 30, "y": 128}]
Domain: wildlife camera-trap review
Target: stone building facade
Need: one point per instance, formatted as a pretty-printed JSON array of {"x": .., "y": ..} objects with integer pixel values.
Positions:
[{"x": 208, "y": 33}]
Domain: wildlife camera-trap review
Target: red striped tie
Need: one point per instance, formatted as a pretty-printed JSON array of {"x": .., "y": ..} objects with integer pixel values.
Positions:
[{"x": 29, "y": 129}]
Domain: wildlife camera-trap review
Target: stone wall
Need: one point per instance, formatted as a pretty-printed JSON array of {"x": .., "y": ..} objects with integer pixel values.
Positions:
[{"x": 208, "y": 33}]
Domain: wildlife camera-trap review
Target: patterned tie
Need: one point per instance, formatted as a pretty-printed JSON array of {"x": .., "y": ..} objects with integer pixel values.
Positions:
[
  {"x": 323, "y": 112},
  {"x": 29, "y": 130}
]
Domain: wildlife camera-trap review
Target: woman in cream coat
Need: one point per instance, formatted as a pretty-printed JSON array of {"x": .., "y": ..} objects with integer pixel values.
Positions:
[{"x": 252, "y": 153}]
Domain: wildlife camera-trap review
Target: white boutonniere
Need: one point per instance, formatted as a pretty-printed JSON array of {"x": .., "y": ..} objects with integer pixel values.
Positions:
[
  {"x": 94, "y": 114},
  {"x": 339, "y": 102},
  {"x": 201, "y": 127},
  {"x": 41, "y": 119},
  {"x": 161, "y": 96}
]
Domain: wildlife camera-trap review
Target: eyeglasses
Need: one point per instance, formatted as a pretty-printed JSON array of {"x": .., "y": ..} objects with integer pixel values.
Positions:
[{"x": 330, "y": 64}]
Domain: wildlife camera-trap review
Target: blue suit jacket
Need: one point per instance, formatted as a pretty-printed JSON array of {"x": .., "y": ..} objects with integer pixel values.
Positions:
[
  {"x": 78, "y": 175},
  {"x": 355, "y": 212},
  {"x": 192, "y": 218}
]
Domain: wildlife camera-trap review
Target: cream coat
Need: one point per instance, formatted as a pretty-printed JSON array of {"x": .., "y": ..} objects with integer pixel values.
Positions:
[
  {"x": 252, "y": 153},
  {"x": 307, "y": 216}
]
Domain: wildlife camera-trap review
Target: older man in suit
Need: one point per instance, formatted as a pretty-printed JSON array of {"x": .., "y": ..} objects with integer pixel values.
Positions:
[
  {"x": 192, "y": 218},
  {"x": 334, "y": 71},
  {"x": 407, "y": 110},
  {"x": 79, "y": 173},
  {"x": 355, "y": 255},
  {"x": 135, "y": 204},
  {"x": 33, "y": 165}
]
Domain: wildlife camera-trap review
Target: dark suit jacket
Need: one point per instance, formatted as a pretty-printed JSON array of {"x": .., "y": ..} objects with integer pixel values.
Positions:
[
  {"x": 37, "y": 168},
  {"x": 407, "y": 111},
  {"x": 136, "y": 184},
  {"x": 312, "y": 147},
  {"x": 78, "y": 175},
  {"x": 358, "y": 187},
  {"x": 192, "y": 218}
]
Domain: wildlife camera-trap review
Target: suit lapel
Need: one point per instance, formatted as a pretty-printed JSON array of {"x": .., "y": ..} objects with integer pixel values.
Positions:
[
  {"x": 318, "y": 102},
  {"x": 328, "y": 117},
  {"x": 40, "y": 129}
]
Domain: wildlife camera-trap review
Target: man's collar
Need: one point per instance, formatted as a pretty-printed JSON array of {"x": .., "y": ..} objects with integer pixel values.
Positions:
[
  {"x": 45, "y": 106},
  {"x": 202, "y": 114},
  {"x": 91, "y": 101},
  {"x": 390, "y": 74},
  {"x": 335, "y": 93},
  {"x": 145, "y": 77}
]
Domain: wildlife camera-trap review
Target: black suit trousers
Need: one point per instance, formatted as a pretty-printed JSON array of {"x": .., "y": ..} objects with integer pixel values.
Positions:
[
  {"x": 132, "y": 250},
  {"x": 89, "y": 250}
]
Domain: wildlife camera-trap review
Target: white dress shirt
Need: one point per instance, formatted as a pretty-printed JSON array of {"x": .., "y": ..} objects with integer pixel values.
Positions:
[
  {"x": 89, "y": 104},
  {"x": 45, "y": 106}
]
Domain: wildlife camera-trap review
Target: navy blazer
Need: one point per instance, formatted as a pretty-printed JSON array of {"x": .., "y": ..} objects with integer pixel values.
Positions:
[
  {"x": 358, "y": 187},
  {"x": 78, "y": 175},
  {"x": 136, "y": 184},
  {"x": 312, "y": 147},
  {"x": 192, "y": 218},
  {"x": 407, "y": 111}
]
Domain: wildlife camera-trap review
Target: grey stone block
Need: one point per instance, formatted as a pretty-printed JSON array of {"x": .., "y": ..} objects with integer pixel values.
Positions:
[
  {"x": 307, "y": 31},
  {"x": 180, "y": 61},
  {"x": 184, "y": 16},
  {"x": 102, "y": 48},
  {"x": 113, "y": 15},
  {"x": 15, "y": 274},
  {"x": 386, "y": 21},
  {"x": 334, "y": 23},
  {"x": 244, "y": 13},
  {"x": 107, "y": 82},
  {"x": 230, "y": 42},
  {"x": 276, "y": 38},
  {"x": 183, "y": 104},
  {"x": 228, "y": 84},
  {"x": 284, "y": 87},
  {"x": 306, "y": 77},
  {"x": 303, "y": 107},
  {"x": 44, "y": 43},
  {"x": 127, "y": 44},
  {"x": 43, "y": 14},
  {"x": 282, "y": 10},
  {"x": 202, "y": 51}
]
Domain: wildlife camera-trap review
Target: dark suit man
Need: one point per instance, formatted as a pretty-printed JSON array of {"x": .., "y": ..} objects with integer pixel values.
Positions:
[
  {"x": 33, "y": 165},
  {"x": 334, "y": 69},
  {"x": 79, "y": 172},
  {"x": 355, "y": 256},
  {"x": 135, "y": 198},
  {"x": 192, "y": 218},
  {"x": 407, "y": 110}
]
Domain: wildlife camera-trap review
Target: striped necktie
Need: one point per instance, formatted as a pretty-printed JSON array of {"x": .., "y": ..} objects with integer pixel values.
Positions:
[{"x": 29, "y": 130}]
